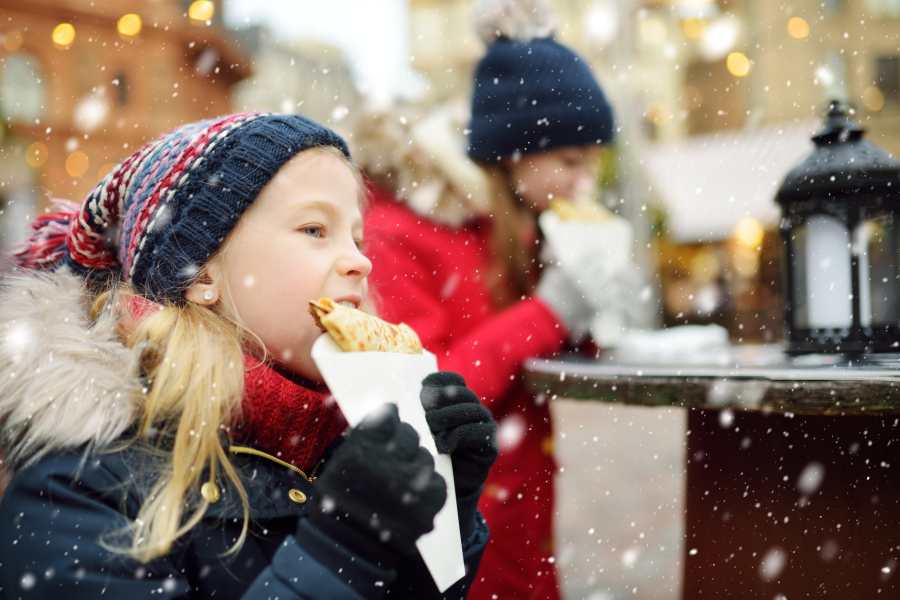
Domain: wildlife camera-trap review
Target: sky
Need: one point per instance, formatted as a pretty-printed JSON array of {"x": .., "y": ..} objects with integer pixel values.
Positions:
[{"x": 373, "y": 33}]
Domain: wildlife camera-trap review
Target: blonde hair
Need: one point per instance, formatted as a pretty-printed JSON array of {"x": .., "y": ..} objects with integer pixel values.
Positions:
[
  {"x": 193, "y": 361},
  {"x": 513, "y": 270}
]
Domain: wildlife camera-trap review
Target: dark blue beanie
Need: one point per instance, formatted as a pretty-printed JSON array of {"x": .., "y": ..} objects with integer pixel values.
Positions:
[{"x": 535, "y": 96}]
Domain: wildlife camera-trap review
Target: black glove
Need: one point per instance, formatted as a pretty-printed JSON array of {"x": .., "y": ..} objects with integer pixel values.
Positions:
[
  {"x": 379, "y": 492},
  {"x": 464, "y": 429}
]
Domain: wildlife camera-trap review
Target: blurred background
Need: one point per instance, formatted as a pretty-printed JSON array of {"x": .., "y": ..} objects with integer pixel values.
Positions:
[{"x": 716, "y": 101}]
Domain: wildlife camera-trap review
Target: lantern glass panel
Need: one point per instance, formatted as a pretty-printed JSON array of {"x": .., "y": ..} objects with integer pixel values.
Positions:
[
  {"x": 821, "y": 279},
  {"x": 877, "y": 245}
]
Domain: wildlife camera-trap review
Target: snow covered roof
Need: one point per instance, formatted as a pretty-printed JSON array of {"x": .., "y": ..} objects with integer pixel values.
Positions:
[{"x": 708, "y": 183}]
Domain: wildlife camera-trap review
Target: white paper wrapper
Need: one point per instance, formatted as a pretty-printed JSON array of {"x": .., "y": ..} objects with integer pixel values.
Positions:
[
  {"x": 363, "y": 381},
  {"x": 598, "y": 256},
  {"x": 572, "y": 242}
]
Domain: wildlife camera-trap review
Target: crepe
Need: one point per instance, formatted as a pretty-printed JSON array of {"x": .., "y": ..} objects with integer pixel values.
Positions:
[
  {"x": 583, "y": 212},
  {"x": 356, "y": 331}
]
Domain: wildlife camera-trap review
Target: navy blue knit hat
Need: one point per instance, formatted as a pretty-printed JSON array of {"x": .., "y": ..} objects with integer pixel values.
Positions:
[
  {"x": 533, "y": 95},
  {"x": 157, "y": 217}
]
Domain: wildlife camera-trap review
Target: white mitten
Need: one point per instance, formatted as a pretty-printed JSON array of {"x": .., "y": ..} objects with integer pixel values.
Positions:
[{"x": 565, "y": 299}]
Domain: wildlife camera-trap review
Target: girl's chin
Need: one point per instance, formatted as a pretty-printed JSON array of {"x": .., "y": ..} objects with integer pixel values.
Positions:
[
  {"x": 309, "y": 371},
  {"x": 303, "y": 368},
  {"x": 301, "y": 373}
]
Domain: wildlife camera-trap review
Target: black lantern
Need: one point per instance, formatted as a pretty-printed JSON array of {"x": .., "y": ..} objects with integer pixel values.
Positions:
[{"x": 840, "y": 225}]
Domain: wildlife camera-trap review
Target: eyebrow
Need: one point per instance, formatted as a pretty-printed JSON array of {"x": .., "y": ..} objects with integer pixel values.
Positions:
[
  {"x": 323, "y": 205},
  {"x": 304, "y": 204}
]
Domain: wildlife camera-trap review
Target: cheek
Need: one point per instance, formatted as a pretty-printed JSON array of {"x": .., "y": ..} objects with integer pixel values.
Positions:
[
  {"x": 276, "y": 310},
  {"x": 291, "y": 344},
  {"x": 531, "y": 185},
  {"x": 288, "y": 336}
]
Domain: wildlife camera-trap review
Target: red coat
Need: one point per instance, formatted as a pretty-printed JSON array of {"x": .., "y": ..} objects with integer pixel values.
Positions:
[{"x": 432, "y": 278}]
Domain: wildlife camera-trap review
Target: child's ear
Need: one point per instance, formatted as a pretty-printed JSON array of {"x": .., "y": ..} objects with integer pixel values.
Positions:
[{"x": 205, "y": 289}]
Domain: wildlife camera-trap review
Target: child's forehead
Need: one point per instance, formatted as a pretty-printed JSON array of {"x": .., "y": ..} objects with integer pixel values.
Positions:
[
  {"x": 315, "y": 158},
  {"x": 313, "y": 179},
  {"x": 318, "y": 169}
]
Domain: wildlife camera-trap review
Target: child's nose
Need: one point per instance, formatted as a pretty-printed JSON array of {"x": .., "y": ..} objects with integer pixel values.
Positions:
[{"x": 355, "y": 264}]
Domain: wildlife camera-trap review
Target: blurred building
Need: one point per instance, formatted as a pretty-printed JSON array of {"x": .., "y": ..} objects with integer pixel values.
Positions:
[
  {"x": 445, "y": 47},
  {"x": 746, "y": 83},
  {"x": 84, "y": 83},
  {"x": 744, "y": 63},
  {"x": 306, "y": 76}
]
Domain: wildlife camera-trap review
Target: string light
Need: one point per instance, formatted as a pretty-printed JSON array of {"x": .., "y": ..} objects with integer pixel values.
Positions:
[
  {"x": 36, "y": 154},
  {"x": 798, "y": 28},
  {"x": 738, "y": 64},
  {"x": 130, "y": 25},
  {"x": 201, "y": 10},
  {"x": 77, "y": 164},
  {"x": 63, "y": 35}
]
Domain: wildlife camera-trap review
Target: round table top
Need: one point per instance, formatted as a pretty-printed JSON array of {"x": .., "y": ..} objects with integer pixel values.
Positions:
[{"x": 759, "y": 377}]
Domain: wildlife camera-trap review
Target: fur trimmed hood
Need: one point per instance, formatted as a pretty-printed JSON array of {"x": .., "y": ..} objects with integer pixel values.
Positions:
[
  {"x": 64, "y": 382},
  {"x": 424, "y": 156}
]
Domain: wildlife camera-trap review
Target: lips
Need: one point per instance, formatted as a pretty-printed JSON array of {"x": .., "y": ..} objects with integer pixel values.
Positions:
[{"x": 351, "y": 300}]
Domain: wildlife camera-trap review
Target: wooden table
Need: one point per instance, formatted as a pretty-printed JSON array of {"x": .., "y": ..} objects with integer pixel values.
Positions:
[{"x": 792, "y": 463}]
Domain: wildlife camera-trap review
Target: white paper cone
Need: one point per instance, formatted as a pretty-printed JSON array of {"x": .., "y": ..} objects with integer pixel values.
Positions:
[{"x": 363, "y": 381}]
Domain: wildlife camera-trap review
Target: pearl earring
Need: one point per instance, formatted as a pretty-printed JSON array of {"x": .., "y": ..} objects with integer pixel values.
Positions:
[{"x": 208, "y": 295}]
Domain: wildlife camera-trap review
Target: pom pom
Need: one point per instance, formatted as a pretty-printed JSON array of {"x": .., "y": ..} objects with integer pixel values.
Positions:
[
  {"x": 520, "y": 20},
  {"x": 46, "y": 246}
]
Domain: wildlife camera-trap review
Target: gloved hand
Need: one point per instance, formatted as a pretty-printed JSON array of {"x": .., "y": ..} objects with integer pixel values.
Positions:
[
  {"x": 464, "y": 429},
  {"x": 566, "y": 300},
  {"x": 379, "y": 492}
]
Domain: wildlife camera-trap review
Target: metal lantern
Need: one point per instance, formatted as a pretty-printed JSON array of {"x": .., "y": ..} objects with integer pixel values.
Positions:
[{"x": 840, "y": 225}]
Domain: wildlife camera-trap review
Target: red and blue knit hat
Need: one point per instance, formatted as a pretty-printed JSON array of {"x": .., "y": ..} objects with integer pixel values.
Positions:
[{"x": 166, "y": 209}]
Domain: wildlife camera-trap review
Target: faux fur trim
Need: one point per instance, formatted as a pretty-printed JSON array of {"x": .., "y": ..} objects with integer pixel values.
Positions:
[
  {"x": 64, "y": 382},
  {"x": 425, "y": 156}
]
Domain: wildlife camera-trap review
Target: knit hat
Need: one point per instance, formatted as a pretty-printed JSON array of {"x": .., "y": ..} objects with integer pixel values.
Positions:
[
  {"x": 531, "y": 93},
  {"x": 160, "y": 214}
]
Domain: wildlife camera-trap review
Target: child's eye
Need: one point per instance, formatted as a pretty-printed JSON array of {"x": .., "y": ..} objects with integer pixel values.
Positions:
[
  {"x": 359, "y": 244},
  {"x": 315, "y": 231}
]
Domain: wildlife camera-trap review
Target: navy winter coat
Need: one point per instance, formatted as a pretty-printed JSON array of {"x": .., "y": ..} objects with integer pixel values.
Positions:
[{"x": 54, "y": 514}]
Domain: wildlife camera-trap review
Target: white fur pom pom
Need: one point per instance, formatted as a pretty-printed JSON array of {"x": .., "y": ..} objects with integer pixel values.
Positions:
[{"x": 521, "y": 20}]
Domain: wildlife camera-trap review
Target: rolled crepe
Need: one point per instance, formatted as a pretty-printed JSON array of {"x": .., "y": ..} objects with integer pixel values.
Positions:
[
  {"x": 356, "y": 331},
  {"x": 584, "y": 212}
]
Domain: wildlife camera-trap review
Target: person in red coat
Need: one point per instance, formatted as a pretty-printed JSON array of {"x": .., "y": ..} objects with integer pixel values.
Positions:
[{"x": 457, "y": 256}]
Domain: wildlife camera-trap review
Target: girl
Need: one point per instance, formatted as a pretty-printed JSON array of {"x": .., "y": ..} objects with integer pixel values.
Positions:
[
  {"x": 158, "y": 404},
  {"x": 475, "y": 290}
]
